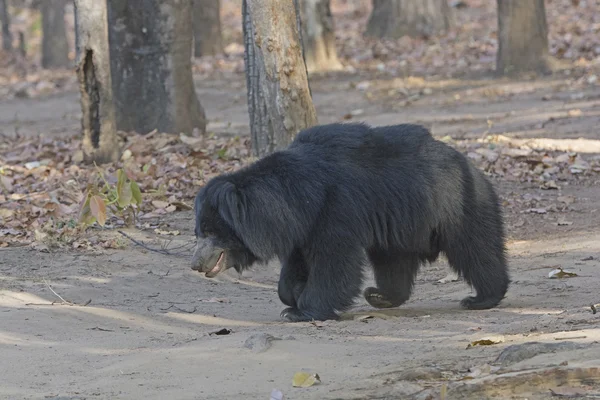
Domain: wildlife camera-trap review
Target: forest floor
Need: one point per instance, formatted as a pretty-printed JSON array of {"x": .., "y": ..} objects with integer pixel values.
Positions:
[{"x": 137, "y": 324}]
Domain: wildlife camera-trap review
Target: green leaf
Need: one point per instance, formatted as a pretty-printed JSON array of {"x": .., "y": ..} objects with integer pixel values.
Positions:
[
  {"x": 121, "y": 179},
  {"x": 124, "y": 196},
  {"x": 136, "y": 193}
]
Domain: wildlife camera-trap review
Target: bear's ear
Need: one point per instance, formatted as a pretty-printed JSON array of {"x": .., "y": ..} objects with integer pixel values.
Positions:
[{"x": 228, "y": 204}]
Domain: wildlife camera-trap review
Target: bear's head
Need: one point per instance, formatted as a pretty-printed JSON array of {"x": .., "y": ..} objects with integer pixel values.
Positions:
[{"x": 218, "y": 246}]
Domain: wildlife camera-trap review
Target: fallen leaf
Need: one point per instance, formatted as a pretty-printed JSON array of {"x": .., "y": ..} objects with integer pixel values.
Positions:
[
  {"x": 304, "y": 379},
  {"x": 6, "y": 213},
  {"x": 549, "y": 185},
  {"x": 560, "y": 273},
  {"x": 487, "y": 341},
  {"x": 160, "y": 204},
  {"x": 6, "y": 182},
  {"x": 181, "y": 205},
  {"x": 568, "y": 200},
  {"x": 195, "y": 143}
]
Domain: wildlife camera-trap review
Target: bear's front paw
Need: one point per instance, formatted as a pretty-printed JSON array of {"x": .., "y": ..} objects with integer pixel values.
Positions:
[{"x": 292, "y": 314}]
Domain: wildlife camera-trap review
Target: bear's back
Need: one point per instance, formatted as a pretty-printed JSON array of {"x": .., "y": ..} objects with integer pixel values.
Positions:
[{"x": 359, "y": 141}]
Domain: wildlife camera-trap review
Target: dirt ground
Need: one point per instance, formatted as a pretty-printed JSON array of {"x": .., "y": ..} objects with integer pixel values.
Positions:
[{"x": 141, "y": 325}]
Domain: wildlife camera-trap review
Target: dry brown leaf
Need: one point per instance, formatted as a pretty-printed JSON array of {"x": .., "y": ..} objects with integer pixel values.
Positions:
[
  {"x": 560, "y": 273},
  {"x": 487, "y": 341}
]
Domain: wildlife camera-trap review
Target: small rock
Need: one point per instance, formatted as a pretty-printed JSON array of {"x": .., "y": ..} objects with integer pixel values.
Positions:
[
  {"x": 276, "y": 395},
  {"x": 519, "y": 352},
  {"x": 259, "y": 342}
]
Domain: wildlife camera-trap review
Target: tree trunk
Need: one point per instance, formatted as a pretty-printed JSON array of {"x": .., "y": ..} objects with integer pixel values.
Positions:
[
  {"x": 417, "y": 18},
  {"x": 76, "y": 23},
  {"x": 522, "y": 37},
  {"x": 55, "y": 48},
  {"x": 318, "y": 35},
  {"x": 5, "y": 20},
  {"x": 208, "y": 40},
  {"x": 151, "y": 50},
  {"x": 93, "y": 72},
  {"x": 279, "y": 100}
]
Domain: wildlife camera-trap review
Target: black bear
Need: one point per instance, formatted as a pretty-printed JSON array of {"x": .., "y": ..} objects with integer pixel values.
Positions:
[{"x": 342, "y": 195}]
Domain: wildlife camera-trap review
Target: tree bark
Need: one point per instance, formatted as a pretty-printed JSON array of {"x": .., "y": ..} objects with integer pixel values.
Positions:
[
  {"x": 55, "y": 48},
  {"x": 318, "y": 33},
  {"x": 522, "y": 37},
  {"x": 5, "y": 20},
  {"x": 279, "y": 100},
  {"x": 151, "y": 49},
  {"x": 93, "y": 72},
  {"x": 417, "y": 18},
  {"x": 208, "y": 40}
]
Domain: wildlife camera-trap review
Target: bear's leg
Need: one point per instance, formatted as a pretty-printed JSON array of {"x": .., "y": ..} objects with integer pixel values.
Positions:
[
  {"x": 334, "y": 280},
  {"x": 480, "y": 259},
  {"x": 394, "y": 275},
  {"x": 292, "y": 279}
]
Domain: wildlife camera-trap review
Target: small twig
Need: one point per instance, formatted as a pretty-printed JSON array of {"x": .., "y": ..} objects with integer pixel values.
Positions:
[
  {"x": 58, "y": 295},
  {"x": 570, "y": 337},
  {"x": 160, "y": 251},
  {"x": 141, "y": 244},
  {"x": 179, "y": 309},
  {"x": 97, "y": 328}
]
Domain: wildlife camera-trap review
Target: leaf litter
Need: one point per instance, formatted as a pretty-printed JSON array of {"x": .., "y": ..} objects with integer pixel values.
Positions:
[{"x": 48, "y": 197}]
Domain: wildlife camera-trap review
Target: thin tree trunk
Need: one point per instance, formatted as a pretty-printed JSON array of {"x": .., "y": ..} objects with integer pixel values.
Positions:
[
  {"x": 522, "y": 37},
  {"x": 55, "y": 48},
  {"x": 319, "y": 36},
  {"x": 151, "y": 49},
  {"x": 208, "y": 40},
  {"x": 261, "y": 130},
  {"x": 93, "y": 72},
  {"x": 279, "y": 100},
  {"x": 5, "y": 20},
  {"x": 417, "y": 18},
  {"x": 76, "y": 23}
]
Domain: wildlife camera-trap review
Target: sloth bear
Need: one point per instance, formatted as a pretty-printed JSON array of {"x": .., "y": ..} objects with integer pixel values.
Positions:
[{"x": 342, "y": 196}]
